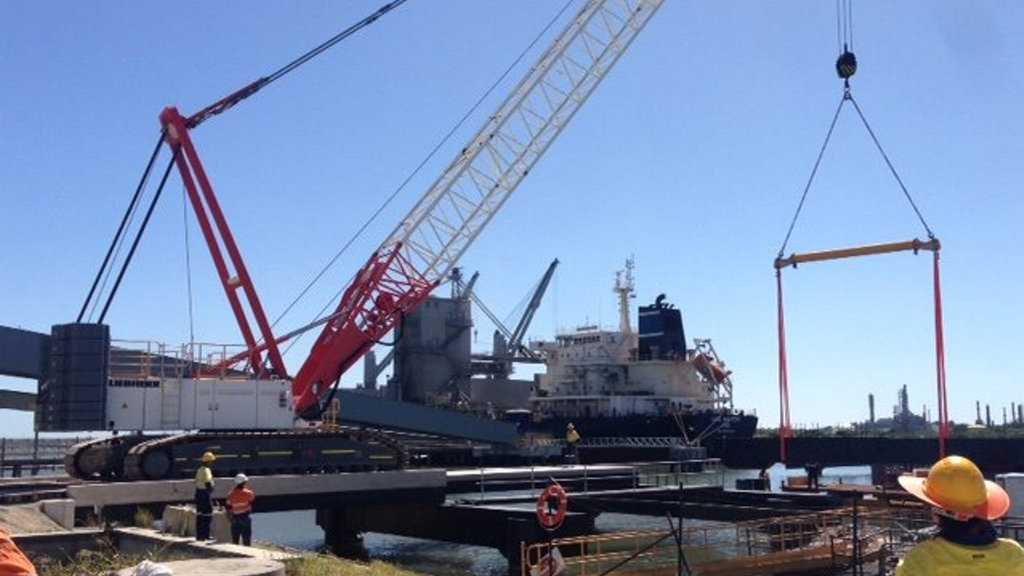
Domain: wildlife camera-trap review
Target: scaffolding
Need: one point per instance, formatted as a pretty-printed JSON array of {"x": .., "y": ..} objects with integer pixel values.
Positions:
[{"x": 847, "y": 540}]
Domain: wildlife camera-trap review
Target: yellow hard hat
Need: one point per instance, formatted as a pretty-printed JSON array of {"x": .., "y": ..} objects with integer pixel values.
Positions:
[
  {"x": 955, "y": 485},
  {"x": 208, "y": 457}
]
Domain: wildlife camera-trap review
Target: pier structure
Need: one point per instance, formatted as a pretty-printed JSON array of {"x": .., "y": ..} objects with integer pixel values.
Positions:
[{"x": 993, "y": 455}]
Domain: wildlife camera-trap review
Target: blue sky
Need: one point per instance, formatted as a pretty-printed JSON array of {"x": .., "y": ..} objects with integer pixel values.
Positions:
[{"x": 691, "y": 156}]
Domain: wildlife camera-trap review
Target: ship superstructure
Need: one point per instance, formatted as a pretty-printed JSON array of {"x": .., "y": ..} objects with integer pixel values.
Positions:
[{"x": 636, "y": 383}]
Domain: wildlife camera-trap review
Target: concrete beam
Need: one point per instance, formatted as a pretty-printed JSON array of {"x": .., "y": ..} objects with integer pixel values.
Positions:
[
  {"x": 219, "y": 567},
  {"x": 302, "y": 491},
  {"x": 61, "y": 511}
]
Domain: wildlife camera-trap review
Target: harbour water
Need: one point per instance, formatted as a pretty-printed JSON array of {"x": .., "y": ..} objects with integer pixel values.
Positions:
[{"x": 299, "y": 530}]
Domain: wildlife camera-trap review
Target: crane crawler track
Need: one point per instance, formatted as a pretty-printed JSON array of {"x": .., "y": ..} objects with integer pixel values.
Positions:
[
  {"x": 309, "y": 451},
  {"x": 102, "y": 458}
]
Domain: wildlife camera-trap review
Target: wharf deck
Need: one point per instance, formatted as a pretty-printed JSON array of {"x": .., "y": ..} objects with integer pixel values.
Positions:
[
  {"x": 276, "y": 493},
  {"x": 698, "y": 502}
]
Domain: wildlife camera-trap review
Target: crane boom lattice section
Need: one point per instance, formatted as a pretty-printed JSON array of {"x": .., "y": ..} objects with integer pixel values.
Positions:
[
  {"x": 429, "y": 241},
  {"x": 463, "y": 200}
]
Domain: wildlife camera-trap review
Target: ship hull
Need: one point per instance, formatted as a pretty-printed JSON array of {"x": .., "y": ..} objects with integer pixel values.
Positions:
[{"x": 710, "y": 426}]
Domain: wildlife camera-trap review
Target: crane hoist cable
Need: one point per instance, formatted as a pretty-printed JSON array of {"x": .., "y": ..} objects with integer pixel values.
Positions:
[
  {"x": 405, "y": 182},
  {"x": 188, "y": 272},
  {"x": 120, "y": 229},
  {"x": 196, "y": 119},
  {"x": 846, "y": 67}
]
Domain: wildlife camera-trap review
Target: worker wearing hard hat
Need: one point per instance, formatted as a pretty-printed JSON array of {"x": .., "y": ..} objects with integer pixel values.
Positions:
[
  {"x": 572, "y": 440},
  {"x": 240, "y": 509},
  {"x": 571, "y": 435},
  {"x": 964, "y": 505},
  {"x": 204, "y": 496}
]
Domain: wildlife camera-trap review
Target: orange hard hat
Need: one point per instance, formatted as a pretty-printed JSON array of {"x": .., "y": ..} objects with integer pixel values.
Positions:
[{"x": 955, "y": 485}]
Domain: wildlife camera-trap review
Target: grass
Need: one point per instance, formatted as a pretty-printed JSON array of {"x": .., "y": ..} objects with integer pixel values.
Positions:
[
  {"x": 106, "y": 560},
  {"x": 332, "y": 566},
  {"x": 143, "y": 518}
]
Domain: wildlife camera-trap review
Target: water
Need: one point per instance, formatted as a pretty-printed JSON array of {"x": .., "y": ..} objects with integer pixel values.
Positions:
[{"x": 299, "y": 530}]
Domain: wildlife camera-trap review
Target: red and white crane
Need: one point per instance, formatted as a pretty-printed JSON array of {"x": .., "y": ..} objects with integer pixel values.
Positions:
[{"x": 420, "y": 252}]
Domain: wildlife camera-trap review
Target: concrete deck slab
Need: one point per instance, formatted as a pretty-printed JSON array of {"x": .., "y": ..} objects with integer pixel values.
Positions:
[
  {"x": 538, "y": 471},
  {"x": 175, "y": 491},
  {"x": 220, "y": 567},
  {"x": 225, "y": 549}
]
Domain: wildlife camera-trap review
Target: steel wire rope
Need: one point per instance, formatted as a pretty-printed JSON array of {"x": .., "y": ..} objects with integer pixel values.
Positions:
[
  {"x": 520, "y": 306},
  {"x": 844, "y": 22},
  {"x": 117, "y": 252},
  {"x": 444, "y": 140},
  {"x": 138, "y": 237},
  {"x": 334, "y": 40},
  {"x": 125, "y": 221},
  {"x": 237, "y": 96},
  {"x": 849, "y": 23},
  {"x": 892, "y": 169},
  {"x": 814, "y": 171},
  {"x": 193, "y": 121},
  {"x": 188, "y": 274}
]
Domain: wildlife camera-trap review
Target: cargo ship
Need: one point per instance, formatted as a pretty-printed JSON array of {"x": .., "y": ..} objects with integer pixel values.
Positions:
[{"x": 636, "y": 383}]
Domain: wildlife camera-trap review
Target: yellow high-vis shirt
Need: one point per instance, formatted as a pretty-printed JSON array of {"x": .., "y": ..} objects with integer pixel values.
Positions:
[
  {"x": 572, "y": 437},
  {"x": 940, "y": 557},
  {"x": 203, "y": 477}
]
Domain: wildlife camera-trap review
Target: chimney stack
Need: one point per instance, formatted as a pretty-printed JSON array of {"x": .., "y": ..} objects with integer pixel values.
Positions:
[
  {"x": 871, "y": 408},
  {"x": 1004, "y": 415},
  {"x": 977, "y": 408},
  {"x": 988, "y": 415}
]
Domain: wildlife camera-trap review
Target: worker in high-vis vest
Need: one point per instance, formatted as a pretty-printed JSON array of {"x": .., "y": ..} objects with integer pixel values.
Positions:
[
  {"x": 13, "y": 561},
  {"x": 239, "y": 506},
  {"x": 204, "y": 496},
  {"x": 572, "y": 440},
  {"x": 571, "y": 435},
  {"x": 963, "y": 505}
]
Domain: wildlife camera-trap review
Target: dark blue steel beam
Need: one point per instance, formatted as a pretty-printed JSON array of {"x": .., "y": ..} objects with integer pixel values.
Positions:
[
  {"x": 23, "y": 353},
  {"x": 372, "y": 411}
]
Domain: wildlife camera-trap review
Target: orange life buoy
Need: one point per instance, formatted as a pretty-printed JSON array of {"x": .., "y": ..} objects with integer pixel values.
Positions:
[{"x": 549, "y": 517}]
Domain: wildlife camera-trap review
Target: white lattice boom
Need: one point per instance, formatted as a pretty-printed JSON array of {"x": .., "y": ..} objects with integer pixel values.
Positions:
[
  {"x": 446, "y": 220},
  {"x": 428, "y": 242}
]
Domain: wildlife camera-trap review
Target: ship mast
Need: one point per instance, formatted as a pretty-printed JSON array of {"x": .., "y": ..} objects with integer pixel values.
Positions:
[{"x": 625, "y": 288}]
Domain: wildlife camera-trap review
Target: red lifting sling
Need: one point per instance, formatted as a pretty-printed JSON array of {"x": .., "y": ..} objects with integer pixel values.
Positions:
[{"x": 785, "y": 428}]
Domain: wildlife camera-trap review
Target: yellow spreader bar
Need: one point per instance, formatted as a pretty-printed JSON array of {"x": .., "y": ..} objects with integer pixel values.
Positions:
[{"x": 914, "y": 245}]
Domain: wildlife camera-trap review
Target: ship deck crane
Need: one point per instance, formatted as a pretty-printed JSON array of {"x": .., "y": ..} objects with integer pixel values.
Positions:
[
  {"x": 508, "y": 346},
  {"x": 399, "y": 275},
  {"x": 515, "y": 344}
]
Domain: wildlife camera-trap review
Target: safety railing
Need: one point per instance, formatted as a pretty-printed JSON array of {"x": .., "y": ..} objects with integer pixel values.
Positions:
[
  {"x": 688, "y": 473},
  {"x": 822, "y": 541},
  {"x": 145, "y": 359},
  {"x": 586, "y": 477}
]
